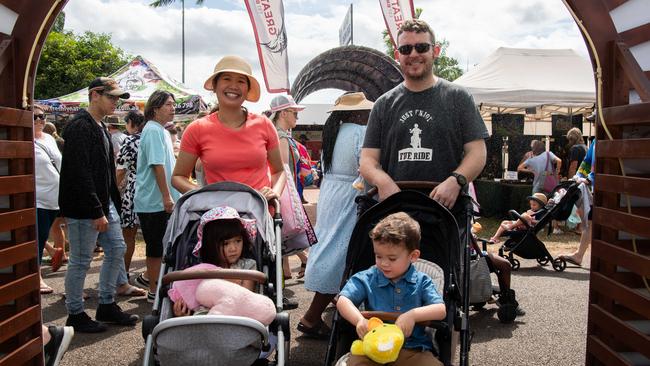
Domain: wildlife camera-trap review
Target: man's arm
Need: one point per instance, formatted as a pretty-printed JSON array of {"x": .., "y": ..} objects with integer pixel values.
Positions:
[
  {"x": 372, "y": 172},
  {"x": 446, "y": 193},
  {"x": 161, "y": 182}
]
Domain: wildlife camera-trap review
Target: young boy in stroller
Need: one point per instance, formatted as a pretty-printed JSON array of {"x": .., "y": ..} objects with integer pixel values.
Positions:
[
  {"x": 394, "y": 284},
  {"x": 537, "y": 209}
]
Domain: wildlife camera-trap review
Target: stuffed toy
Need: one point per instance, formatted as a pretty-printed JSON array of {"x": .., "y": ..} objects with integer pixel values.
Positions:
[
  {"x": 381, "y": 344},
  {"x": 222, "y": 297}
]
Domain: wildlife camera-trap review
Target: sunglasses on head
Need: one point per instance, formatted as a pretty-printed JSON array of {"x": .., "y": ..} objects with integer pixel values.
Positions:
[
  {"x": 419, "y": 48},
  {"x": 39, "y": 116}
]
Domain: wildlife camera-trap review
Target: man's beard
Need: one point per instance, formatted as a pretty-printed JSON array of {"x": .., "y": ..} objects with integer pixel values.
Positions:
[{"x": 426, "y": 72}]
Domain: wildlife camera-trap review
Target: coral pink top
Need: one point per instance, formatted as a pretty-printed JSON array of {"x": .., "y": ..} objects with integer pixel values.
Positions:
[{"x": 232, "y": 155}]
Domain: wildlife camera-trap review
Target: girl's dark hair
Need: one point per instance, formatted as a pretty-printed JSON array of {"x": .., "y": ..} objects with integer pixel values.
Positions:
[
  {"x": 136, "y": 118},
  {"x": 215, "y": 233},
  {"x": 156, "y": 100},
  {"x": 331, "y": 131}
]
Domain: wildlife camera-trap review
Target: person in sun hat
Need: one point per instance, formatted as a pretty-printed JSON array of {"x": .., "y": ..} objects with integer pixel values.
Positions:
[
  {"x": 342, "y": 139},
  {"x": 232, "y": 143},
  {"x": 90, "y": 202},
  {"x": 537, "y": 209}
]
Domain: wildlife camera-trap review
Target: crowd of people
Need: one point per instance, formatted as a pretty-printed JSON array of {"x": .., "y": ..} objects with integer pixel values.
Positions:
[{"x": 105, "y": 185}]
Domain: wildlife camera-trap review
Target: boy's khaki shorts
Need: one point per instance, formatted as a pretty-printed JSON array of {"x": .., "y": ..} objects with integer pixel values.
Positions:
[{"x": 407, "y": 357}]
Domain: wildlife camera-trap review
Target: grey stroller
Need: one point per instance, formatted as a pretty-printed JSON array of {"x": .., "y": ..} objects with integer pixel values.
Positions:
[{"x": 217, "y": 339}]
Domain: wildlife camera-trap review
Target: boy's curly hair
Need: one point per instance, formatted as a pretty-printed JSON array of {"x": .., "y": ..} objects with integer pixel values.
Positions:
[{"x": 397, "y": 229}]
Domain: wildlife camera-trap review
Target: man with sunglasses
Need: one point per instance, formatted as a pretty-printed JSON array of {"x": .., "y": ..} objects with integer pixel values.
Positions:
[
  {"x": 426, "y": 128},
  {"x": 90, "y": 202}
]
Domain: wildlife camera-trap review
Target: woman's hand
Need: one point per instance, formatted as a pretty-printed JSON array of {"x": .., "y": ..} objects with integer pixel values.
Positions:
[
  {"x": 268, "y": 193},
  {"x": 181, "y": 309}
]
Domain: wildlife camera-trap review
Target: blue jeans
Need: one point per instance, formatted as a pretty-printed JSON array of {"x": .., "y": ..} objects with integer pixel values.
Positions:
[{"x": 83, "y": 236}]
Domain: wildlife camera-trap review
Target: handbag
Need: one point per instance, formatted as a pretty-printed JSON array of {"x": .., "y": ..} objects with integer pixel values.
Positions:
[
  {"x": 550, "y": 179},
  {"x": 294, "y": 218},
  {"x": 480, "y": 283}
]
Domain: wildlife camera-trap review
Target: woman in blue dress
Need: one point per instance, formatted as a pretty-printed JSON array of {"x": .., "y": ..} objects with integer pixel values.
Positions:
[{"x": 343, "y": 136}]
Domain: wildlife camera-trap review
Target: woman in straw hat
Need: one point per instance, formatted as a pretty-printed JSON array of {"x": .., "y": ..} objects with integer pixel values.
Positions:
[
  {"x": 232, "y": 143},
  {"x": 343, "y": 135}
]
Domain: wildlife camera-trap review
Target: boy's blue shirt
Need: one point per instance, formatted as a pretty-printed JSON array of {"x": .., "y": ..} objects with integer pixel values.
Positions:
[{"x": 413, "y": 290}]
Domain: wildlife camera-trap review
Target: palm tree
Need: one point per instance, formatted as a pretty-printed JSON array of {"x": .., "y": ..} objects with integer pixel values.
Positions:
[{"x": 161, "y": 3}]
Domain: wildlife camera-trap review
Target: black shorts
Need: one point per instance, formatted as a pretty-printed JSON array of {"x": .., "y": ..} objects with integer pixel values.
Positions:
[{"x": 153, "y": 226}]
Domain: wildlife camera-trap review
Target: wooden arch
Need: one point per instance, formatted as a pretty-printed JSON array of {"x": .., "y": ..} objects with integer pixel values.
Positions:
[{"x": 619, "y": 302}]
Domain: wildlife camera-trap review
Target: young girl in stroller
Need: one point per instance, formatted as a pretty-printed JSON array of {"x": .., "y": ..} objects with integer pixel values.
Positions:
[
  {"x": 537, "y": 204},
  {"x": 224, "y": 240}
]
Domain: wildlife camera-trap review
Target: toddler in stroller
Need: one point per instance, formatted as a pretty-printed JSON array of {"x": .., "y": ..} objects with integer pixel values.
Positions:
[
  {"x": 529, "y": 218},
  {"x": 394, "y": 284},
  {"x": 218, "y": 339}
]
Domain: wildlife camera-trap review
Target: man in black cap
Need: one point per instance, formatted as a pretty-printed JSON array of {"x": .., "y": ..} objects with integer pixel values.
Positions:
[{"x": 90, "y": 202}]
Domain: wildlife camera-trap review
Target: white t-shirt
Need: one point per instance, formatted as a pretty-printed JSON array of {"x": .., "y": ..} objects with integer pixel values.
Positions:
[{"x": 46, "y": 176}]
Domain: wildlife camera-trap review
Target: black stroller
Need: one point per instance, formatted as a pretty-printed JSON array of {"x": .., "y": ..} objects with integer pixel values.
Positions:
[
  {"x": 216, "y": 339},
  {"x": 526, "y": 244},
  {"x": 440, "y": 244}
]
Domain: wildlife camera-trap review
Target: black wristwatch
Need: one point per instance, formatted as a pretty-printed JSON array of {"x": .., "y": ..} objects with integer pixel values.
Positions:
[{"x": 460, "y": 179}]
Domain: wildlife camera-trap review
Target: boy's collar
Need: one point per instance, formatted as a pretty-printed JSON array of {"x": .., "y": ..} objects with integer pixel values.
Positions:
[{"x": 409, "y": 276}]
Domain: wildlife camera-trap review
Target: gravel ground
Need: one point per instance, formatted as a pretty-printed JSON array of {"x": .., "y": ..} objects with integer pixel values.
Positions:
[{"x": 553, "y": 332}]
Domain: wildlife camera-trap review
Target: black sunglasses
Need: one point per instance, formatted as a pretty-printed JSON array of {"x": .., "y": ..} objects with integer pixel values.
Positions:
[
  {"x": 39, "y": 116},
  {"x": 419, "y": 48}
]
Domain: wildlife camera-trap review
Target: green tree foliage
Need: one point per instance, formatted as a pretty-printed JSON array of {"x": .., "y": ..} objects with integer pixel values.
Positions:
[
  {"x": 59, "y": 23},
  {"x": 69, "y": 62},
  {"x": 444, "y": 66}
]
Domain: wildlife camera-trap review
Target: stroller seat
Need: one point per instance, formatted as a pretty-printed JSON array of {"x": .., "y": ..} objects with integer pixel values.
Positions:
[{"x": 240, "y": 340}]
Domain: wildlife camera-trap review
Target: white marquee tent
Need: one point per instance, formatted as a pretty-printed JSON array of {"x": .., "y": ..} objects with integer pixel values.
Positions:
[{"x": 534, "y": 82}]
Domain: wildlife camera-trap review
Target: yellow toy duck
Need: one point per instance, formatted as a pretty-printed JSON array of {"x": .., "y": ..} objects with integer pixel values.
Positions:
[{"x": 381, "y": 344}]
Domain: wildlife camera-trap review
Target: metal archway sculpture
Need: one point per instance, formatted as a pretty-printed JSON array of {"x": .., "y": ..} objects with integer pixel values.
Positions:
[
  {"x": 619, "y": 300},
  {"x": 349, "y": 68}
]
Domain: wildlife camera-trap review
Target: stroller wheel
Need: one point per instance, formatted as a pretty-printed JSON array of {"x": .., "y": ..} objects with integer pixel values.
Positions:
[
  {"x": 559, "y": 264},
  {"x": 514, "y": 263},
  {"x": 543, "y": 261}
]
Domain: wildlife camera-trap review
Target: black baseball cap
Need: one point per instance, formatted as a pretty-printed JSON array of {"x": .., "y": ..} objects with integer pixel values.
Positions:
[{"x": 108, "y": 86}]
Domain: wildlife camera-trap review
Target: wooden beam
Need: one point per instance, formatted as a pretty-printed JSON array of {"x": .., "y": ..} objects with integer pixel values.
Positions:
[
  {"x": 19, "y": 288},
  {"x": 16, "y": 149},
  {"x": 17, "y": 253},
  {"x": 16, "y": 184},
  {"x": 634, "y": 262},
  {"x": 624, "y": 295},
  {"x": 25, "y": 353},
  {"x": 19, "y": 322},
  {"x": 618, "y": 220},
  {"x": 637, "y": 35},
  {"x": 604, "y": 353},
  {"x": 613, "y": 4},
  {"x": 639, "y": 187},
  {"x": 627, "y": 334},
  {"x": 633, "y": 114},
  {"x": 17, "y": 219},
  {"x": 635, "y": 74},
  {"x": 628, "y": 148},
  {"x": 16, "y": 118}
]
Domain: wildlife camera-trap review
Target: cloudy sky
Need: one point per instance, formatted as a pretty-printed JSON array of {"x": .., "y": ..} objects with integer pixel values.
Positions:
[{"x": 473, "y": 28}]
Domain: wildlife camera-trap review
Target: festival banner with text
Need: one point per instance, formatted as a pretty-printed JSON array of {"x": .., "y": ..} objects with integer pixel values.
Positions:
[
  {"x": 395, "y": 13},
  {"x": 267, "y": 17}
]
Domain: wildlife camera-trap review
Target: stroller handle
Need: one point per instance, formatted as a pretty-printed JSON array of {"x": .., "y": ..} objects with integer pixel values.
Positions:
[
  {"x": 515, "y": 215},
  {"x": 392, "y": 317},
  {"x": 226, "y": 274},
  {"x": 408, "y": 184}
]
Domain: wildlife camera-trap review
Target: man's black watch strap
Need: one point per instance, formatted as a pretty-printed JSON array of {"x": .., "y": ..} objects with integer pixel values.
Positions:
[{"x": 460, "y": 179}]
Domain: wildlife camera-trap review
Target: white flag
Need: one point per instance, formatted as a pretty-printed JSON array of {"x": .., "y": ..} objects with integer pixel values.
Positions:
[
  {"x": 267, "y": 17},
  {"x": 395, "y": 13}
]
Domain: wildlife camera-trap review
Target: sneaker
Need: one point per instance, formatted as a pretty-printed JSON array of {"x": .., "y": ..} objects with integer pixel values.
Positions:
[
  {"x": 151, "y": 297},
  {"x": 139, "y": 281},
  {"x": 58, "y": 344},
  {"x": 82, "y": 323},
  {"x": 113, "y": 314}
]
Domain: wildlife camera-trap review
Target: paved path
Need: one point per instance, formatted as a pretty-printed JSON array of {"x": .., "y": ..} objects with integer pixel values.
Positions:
[{"x": 552, "y": 333}]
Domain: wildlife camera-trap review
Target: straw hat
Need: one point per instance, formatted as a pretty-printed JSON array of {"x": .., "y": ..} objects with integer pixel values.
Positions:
[
  {"x": 539, "y": 198},
  {"x": 237, "y": 65},
  {"x": 352, "y": 102}
]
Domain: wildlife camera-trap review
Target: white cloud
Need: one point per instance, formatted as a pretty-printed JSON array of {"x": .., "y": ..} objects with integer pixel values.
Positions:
[{"x": 473, "y": 28}]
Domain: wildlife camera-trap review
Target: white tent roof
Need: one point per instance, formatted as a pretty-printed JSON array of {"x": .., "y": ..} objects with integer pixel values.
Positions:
[{"x": 520, "y": 78}]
